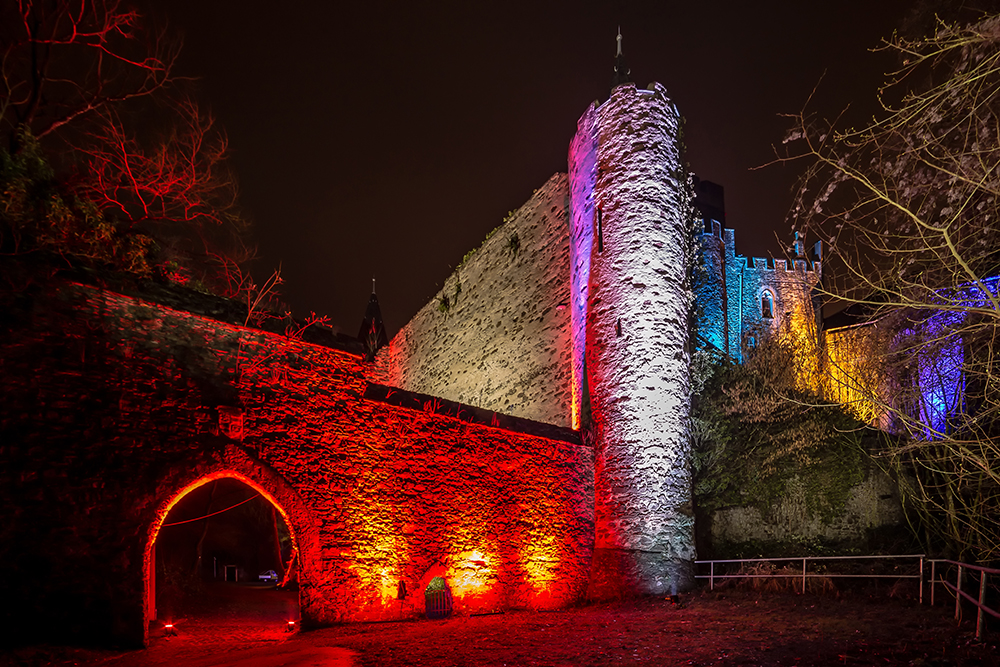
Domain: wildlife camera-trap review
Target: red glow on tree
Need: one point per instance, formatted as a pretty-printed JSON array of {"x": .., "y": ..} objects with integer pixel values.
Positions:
[
  {"x": 65, "y": 60},
  {"x": 180, "y": 185},
  {"x": 147, "y": 196}
]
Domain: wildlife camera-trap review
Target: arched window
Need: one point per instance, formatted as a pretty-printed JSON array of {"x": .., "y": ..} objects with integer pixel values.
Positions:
[{"x": 767, "y": 305}]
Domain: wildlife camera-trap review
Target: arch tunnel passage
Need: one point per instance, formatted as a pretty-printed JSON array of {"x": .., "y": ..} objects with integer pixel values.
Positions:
[{"x": 220, "y": 560}]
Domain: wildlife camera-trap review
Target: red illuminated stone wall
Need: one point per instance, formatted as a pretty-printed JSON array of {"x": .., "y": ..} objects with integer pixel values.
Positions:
[{"x": 112, "y": 404}]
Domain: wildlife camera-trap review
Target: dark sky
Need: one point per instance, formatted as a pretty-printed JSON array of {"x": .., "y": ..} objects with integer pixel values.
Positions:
[{"x": 387, "y": 139}]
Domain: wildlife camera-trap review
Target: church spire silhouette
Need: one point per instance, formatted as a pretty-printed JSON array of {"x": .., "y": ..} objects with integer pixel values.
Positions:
[{"x": 372, "y": 333}]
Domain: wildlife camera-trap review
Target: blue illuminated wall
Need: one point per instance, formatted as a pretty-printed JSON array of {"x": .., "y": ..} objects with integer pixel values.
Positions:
[
  {"x": 936, "y": 343},
  {"x": 909, "y": 372},
  {"x": 940, "y": 376},
  {"x": 729, "y": 289}
]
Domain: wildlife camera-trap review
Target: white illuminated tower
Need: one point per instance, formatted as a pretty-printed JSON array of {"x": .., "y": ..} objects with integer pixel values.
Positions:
[{"x": 631, "y": 395}]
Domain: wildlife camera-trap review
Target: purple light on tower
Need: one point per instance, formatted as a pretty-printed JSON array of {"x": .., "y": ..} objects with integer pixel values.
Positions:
[{"x": 630, "y": 298}]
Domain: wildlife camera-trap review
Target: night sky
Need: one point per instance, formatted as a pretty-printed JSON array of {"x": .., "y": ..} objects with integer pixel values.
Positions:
[{"x": 387, "y": 139}]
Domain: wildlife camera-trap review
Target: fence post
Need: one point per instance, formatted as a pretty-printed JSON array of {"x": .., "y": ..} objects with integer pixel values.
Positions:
[
  {"x": 921, "y": 580},
  {"x": 933, "y": 573},
  {"x": 982, "y": 599},
  {"x": 958, "y": 594},
  {"x": 711, "y": 576},
  {"x": 803, "y": 576}
]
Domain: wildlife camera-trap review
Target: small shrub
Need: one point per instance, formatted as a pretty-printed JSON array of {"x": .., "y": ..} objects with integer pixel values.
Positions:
[
  {"x": 513, "y": 244},
  {"x": 769, "y": 578}
]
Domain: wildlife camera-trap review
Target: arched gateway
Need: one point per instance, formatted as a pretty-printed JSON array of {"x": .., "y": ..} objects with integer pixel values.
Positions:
[
  {"x": 269, "y": 486},
  {"x": 379, "y": 486}
]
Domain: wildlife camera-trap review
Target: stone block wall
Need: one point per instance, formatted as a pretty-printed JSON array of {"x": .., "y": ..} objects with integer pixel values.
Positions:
[
  {"x": 712, "y": 298},
  {"x": 855, "y": 372},
  {"x": 793, "y": 315},
  {"x": 112, "y": 406},
  {"x": 497, "y": 334},
  {"x": 808, "y": 517},
  {"x": 729, "y": 292},
  {"x": 631, "y": 215}
]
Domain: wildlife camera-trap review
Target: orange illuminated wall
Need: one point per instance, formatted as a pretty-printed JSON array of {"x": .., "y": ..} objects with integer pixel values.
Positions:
[
  {"x": 407, "y": 487},
  {"x": 797, "y": 329},
  {"x": 853, "y": 374},
  {"x": 506, "y": 518}
]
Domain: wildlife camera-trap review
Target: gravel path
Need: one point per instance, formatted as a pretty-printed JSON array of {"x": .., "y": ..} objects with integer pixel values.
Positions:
[{"x": 722, "y": 628}]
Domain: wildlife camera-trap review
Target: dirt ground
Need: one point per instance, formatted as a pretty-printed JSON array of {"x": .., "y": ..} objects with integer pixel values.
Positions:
[{"x": 731, "y": 627}]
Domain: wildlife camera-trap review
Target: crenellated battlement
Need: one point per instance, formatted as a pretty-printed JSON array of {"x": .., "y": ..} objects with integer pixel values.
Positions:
[
  {"x": 772, "y": 265},
  {"x": 740, "y": 298},
  {"x": 716, "y": 229},
  {"x": 763, "y": 264}
]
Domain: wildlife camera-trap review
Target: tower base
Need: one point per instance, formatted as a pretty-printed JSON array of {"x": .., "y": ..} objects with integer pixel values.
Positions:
[{"x": 623, "y": 573}]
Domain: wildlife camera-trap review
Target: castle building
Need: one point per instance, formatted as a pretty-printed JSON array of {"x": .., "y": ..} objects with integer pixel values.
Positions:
[
  {"x": 525, "y": 437},
  {"x": 577, "y": 312},
  {"x": 739, "y": 300}
]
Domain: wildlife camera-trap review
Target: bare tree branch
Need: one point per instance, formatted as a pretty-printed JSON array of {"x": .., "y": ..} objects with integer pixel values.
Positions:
[{"x": 909, "y": 209}]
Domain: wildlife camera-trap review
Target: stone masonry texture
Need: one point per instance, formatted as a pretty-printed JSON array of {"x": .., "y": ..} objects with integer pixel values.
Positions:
[
  {"x": 630, "y": 190},
  {"x": 112, "y": 404},
  {"x": 525, "y": 436},
  {"x": 497, "y": 334}
]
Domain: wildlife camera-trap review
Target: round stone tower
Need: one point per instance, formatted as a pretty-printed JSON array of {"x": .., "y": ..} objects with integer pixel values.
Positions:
[{"x": 630, "y": 236}]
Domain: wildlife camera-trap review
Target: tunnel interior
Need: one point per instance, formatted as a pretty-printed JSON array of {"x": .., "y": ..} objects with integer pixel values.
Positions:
[{"x": 223, "y": 555}]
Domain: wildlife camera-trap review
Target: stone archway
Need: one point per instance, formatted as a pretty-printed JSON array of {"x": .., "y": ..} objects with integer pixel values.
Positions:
[{"x": 236, "y": 465}]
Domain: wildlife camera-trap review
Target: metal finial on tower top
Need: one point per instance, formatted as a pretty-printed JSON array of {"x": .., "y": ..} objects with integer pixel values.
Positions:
[{"x": 621, "y": 68}]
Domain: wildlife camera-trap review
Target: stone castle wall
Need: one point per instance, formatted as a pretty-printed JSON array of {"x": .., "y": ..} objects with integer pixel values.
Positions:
[
  {"x": 732, "y": 319},
  {"x": 496, "y": 335},
  {"x": 731, "y": 314},
  {"x": 112, "y": 405},
  {"x": 631, "y": 213},
  {"x": 434, "y": 460},
  {"x": 499, "y": 334},
  {"x": 805, "y": 516}
]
